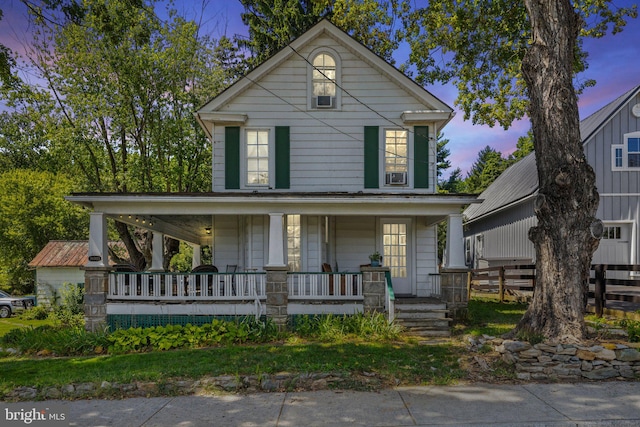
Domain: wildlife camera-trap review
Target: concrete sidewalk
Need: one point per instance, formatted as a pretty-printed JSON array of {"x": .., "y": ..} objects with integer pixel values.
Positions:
[{"x": 579, "y": 404}]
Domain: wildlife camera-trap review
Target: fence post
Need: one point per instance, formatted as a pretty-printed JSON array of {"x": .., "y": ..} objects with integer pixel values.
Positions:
[
  {"x": 600, "y": 289},
  {"x": 469, "y": 279},
  {"x": 501, "y": 283}
]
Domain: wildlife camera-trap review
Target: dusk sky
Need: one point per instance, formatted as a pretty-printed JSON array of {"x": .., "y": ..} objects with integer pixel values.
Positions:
[{"x": 614, "y": 62}]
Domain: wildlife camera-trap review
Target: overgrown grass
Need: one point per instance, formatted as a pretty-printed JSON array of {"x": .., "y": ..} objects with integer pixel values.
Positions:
[
  {"x": 491, "y": 317},
  {"x": 352, "y": 344}
]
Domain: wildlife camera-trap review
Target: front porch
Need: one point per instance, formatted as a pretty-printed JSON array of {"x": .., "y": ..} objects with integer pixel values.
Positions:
[
  {"x": 149, "y": 299},
  {"x": 281, "y": 256}
]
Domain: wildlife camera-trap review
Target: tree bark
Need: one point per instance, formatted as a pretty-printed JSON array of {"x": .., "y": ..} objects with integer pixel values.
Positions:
[{"x": 567, "y": 200}]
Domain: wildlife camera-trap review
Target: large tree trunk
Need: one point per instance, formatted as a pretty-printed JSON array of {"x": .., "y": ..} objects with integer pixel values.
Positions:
[{"x": 568, "y": 200}]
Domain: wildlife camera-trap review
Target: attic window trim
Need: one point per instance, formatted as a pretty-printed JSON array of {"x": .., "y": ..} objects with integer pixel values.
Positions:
[{"x": 337, "y": 80}]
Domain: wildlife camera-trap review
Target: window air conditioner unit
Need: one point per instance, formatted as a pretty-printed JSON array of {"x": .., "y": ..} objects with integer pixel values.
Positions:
[
  {"x": 324, "y": 101},
  {"x": 396, "y": 178}
]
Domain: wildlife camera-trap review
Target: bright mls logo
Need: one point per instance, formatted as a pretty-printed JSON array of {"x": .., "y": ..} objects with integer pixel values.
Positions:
[{"x": 20, "y": 414}]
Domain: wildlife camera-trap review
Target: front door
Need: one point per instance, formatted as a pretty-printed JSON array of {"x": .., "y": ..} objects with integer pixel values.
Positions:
[{"x": 395, "y": 245}]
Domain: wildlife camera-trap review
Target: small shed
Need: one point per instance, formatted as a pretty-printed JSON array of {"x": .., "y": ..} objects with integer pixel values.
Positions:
[{"x": 59, "y": 262}]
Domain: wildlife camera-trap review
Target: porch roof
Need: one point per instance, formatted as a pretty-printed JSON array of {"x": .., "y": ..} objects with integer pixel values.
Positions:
[{"x": 185, "y": 216}]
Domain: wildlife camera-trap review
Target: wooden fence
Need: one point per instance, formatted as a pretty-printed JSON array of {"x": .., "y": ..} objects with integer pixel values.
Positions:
[
  {"x": 507, "y": 278},
  {"x": 503, "y": 279},
  {"x": 613, "y": 288}
]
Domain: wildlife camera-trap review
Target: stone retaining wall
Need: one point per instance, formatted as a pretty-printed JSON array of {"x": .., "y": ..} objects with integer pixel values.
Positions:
[{"x": 569, "y": 361}]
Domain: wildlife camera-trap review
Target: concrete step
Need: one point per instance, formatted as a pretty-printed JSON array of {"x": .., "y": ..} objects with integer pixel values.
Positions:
[
  {"x": 425, "y": 323},
  {"x": 429, "y": 332},
  {"x": 431, "y": 314},
  {"x": 420, "y": 307}
]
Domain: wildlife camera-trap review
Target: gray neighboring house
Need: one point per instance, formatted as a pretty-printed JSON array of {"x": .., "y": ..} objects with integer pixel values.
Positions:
[{"x": 496, "y": 231}]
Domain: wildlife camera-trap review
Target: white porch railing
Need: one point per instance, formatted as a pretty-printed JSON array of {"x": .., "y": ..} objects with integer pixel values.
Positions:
[
  {"x": 186, "y": 286},
  {"x": 325, "y": 286}
]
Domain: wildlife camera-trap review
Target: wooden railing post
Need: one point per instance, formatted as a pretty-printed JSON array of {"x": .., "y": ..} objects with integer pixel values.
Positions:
[
  {"x": 501, "y": 283},
  {"x": 600, "y": 289},
  {"x": 469, "y": 280}
]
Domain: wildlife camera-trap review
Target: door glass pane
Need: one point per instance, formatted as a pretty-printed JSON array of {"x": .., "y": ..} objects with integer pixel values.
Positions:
[{"x": 395, "y": 249}]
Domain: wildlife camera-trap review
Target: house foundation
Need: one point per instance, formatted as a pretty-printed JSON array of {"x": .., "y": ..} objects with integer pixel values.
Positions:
[
  {"x": 453, "y": 285},
  {"x": 277, "y": 290},
  {"x": 374, "y": 288},
  {"x": 96, "y": 283}
]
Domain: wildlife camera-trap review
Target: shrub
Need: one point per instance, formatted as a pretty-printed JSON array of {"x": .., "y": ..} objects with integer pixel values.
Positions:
[
  {"x": 69, "y": 311},
  {"x": 61, "y": 341},
  {"x": 633, "y": 329},
  {"x": 190, "y": 336},
  {"x": 38, "y": 312}
]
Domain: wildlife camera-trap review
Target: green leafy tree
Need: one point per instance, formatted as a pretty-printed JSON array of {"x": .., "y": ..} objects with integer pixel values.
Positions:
[
  {"x": 508, "y": 59},
  {"x": 489, "y": 165},
  {"x": 32, "y": 212},
  {"x": 273, "y": 24},
  {"x": 126, "y": 84},
  {"x": 442, "y": 155},
  {"x": 524, "y": 146}
]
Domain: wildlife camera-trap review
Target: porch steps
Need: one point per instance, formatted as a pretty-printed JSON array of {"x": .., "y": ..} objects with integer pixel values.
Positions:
[{"x": 427, "y": 317}]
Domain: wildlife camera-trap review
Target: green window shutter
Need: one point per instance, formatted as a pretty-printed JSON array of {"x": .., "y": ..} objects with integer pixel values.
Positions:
[
  {"x": 231, "y": 157},
  {"x": 283, "y": 166},
  {"x": 371, "y": 157},
  {"x": 421, "y": 157}
]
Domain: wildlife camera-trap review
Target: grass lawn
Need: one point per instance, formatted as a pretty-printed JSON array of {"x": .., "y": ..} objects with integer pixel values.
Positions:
[
  {"x": 17, "y": 322},
  {"x": 402, "y": 361}
]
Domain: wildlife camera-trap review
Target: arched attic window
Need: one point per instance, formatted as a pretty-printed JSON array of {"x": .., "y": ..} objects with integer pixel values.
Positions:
[{"x": 324, "y": 79}]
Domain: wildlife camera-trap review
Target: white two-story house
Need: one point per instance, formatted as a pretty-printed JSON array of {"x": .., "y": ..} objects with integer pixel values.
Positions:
[{"x": 322, "y": 155}]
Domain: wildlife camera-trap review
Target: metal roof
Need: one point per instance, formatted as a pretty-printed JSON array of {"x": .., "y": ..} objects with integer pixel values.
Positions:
[
  {"x": 520, "y": 180},
  {"x": 63, "y": 253}
]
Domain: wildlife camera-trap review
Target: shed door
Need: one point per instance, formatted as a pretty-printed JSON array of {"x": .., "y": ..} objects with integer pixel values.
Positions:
[{"x": 395, "y": 244}]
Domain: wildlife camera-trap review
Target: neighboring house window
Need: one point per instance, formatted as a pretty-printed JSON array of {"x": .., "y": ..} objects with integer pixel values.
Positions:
[
  {"x": 618, "y": 157},
  {"x": 293, "y": 243},
  {"x": 396, "y": 157},
  {"x": 612, "y": 232},
  {"x": 633, "y": 152},
  {"x": 257, "y": 145},
  {"x": 626, "y": 156}
]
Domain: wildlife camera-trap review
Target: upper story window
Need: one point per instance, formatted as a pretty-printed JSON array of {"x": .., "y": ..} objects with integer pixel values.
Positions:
[
  {"x": 324, "y": 78},
  {"x": 627, "y": 155},
  {"x": 257, "y": 146},
  {"x": 396, "y": 166}
]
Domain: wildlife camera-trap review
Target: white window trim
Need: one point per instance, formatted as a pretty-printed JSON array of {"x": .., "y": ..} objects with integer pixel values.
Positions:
[
  {"x": 338, "y": 81},
  {"x": 410, "y": 145},
  {"x": 625, "y": 153},
  {"x": 272, "y": 161}
]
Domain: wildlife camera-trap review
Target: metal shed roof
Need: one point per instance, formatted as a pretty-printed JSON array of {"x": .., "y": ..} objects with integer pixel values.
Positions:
[
  {"x": 63, "y": 253},
  {"x": 520, "y": 180}
]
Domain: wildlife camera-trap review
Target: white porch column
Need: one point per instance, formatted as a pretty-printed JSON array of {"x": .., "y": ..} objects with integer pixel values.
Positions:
[
  {"x": 454, "y": 249},
  {"x": 98, "y": 249},
  {"x": 157, "y": 246},
  {"x": 197, "y": 253},
  {"x": 276, "y": 240}
]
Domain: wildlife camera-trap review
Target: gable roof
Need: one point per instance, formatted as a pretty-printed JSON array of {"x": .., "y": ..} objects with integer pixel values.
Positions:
[
  {"x": 64, "y": 253},
  {"x": 520, "y": 180},
  {"x": 205, "y": 114}
]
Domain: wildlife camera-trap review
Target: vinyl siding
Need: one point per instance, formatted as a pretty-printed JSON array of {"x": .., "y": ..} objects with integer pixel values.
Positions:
[{"x": 323, "y": 140}]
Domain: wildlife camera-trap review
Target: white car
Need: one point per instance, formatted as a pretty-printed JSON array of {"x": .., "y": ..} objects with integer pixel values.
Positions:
[{"x": 10, "y": 304}]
